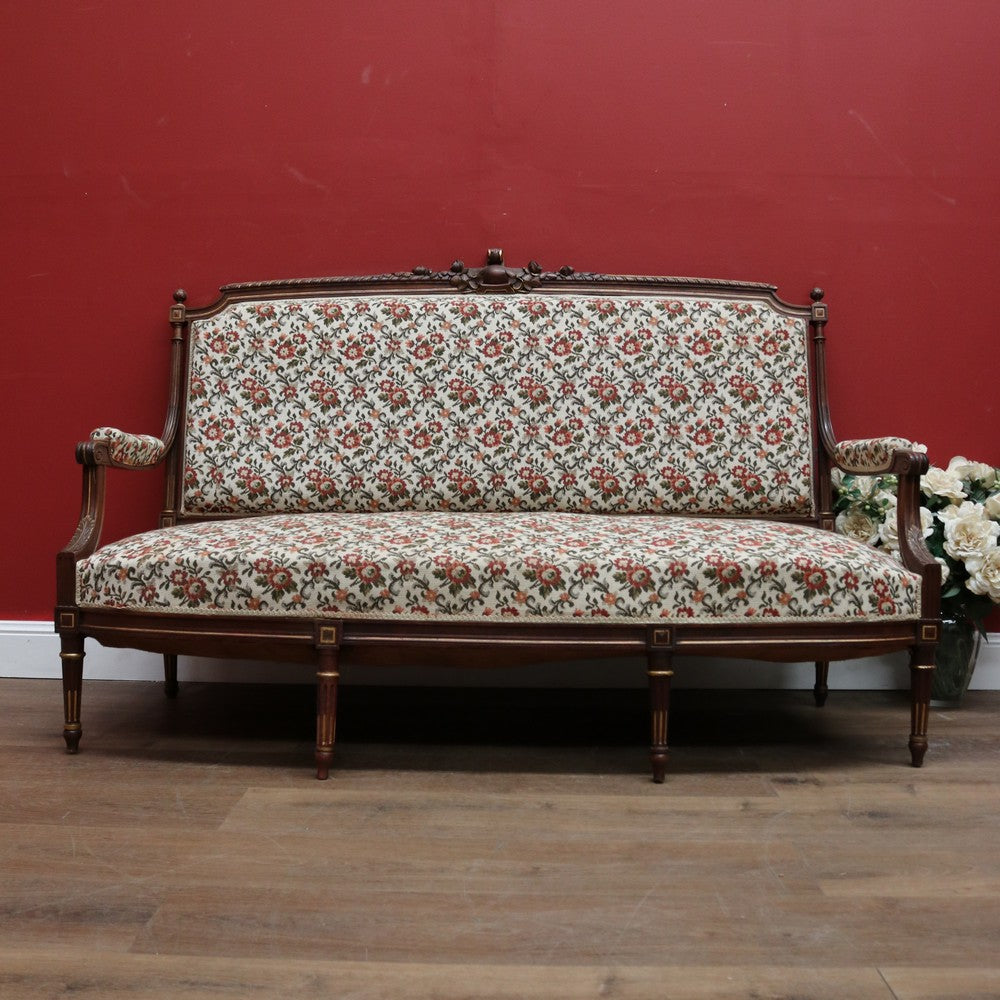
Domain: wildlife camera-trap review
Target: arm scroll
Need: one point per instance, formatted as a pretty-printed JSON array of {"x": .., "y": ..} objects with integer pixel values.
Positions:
[
  {"x": 112, "y": 447},
  {"x": 873, "y": 456}
]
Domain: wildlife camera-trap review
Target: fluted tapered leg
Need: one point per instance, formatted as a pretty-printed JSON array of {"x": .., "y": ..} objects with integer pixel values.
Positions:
[
  {"x": 921, "y": 675},
  {"x": 72, "y": 677},
  {"x": 327, "y": 678},
  {"x": 660, "y": 675}
]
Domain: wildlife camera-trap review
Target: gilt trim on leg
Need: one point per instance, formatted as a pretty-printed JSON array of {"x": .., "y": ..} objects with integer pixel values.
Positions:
[
  {"x": 72, "y": 677},
  {"x": 660, "y": 675},
  {"x": 327, "y": 679},
  {"x": 920, "y": 708}
]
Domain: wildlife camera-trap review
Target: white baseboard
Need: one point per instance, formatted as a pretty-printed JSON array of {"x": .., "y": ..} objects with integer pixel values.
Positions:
[{"x": 31, "y": 649}]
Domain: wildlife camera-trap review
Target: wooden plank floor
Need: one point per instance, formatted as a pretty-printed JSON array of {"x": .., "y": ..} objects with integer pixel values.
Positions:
[{"x": 496, "y": 844}]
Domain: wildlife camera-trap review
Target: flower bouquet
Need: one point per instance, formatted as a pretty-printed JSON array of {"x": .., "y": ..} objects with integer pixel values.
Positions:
[{"x": 960, "y": 514}]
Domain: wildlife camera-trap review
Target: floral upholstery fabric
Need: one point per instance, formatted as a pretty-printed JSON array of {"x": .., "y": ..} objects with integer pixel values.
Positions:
[
  {"x": 130, "y": 450},
  {"x": 869, "y": 456},
  {"x": 543, "y": 567},
  {"x": 508, "y": 403}
]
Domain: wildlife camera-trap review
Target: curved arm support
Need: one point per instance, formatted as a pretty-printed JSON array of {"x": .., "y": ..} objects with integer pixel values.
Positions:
[
  {"x": 908, "y": 467},
  {"x": 87, "y": 534}
]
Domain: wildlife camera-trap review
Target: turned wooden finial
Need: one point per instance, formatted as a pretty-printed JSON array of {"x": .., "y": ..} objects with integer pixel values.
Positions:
[
  {"x": 178, "y": 313},
  {"x": 820, "y": 313},
  {"x": 495, "y": 273}
]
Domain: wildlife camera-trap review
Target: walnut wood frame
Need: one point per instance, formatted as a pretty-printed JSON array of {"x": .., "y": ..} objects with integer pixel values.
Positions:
[{"x": 326, "y": 643}]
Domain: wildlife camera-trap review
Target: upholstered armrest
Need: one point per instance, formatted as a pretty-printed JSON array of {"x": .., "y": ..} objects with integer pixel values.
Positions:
[
  {"x": 908, "y": 462},
  {"x": 110, "y": 446},
  {"x": 871, "y": 456}
]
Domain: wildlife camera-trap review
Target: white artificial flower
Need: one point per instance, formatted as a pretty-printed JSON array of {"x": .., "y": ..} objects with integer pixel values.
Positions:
[
  {"x": 941, "y": 483},
  {"x": 865, "y": 485},
  {"x": 969, "y": 536},
  {"x": 945, "y": 570},
  {"x": 956, "y": 510},
  {"x": 836, "y": 478},
  {"x": 856, "y": 524},
  {"x": 972, "y": 471},
  {"x": 926, "y": 522},
  {"x": 992, "y": 507},
  {"x": 984, "y": 574},
  {"x": 888, "y": 530}
]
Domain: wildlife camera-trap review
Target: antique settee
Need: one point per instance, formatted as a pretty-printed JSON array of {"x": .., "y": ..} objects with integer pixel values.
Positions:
[{"x": 496, "y": 465}]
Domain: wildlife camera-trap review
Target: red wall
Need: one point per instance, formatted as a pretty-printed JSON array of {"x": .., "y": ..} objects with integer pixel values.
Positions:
[{"x": 851, "y": 145}]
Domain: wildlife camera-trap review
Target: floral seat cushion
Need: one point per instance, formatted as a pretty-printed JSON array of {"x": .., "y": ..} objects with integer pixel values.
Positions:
[{"x": 544, "y": 567}]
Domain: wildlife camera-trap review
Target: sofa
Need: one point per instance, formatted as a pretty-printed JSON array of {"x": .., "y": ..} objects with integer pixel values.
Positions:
[{"x": 497, "y": 465}]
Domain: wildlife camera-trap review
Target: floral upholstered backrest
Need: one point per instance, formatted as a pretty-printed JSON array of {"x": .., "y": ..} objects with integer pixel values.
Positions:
[{"x": 499, "y": 402}]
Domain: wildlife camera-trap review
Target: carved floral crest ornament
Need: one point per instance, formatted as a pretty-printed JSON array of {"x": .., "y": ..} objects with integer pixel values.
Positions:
[{"x": 494, "y": 276}]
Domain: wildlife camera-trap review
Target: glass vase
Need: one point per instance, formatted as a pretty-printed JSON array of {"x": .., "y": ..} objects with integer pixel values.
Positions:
[{"x": 955, "y": 661}]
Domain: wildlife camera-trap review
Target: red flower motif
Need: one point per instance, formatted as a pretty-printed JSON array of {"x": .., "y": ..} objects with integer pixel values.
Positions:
[
  {"x": 639, "y": 577},
  {"x": 463, "y": 482},
  {"x": 368, "y": 573},
  {"x": 280, "y": 579},
  {"x": 458, "y": 573},
  {"x": 548, "y": 575},
  {"x": 537, "y": 484}
]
